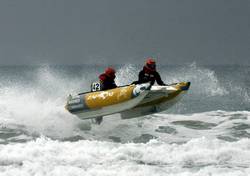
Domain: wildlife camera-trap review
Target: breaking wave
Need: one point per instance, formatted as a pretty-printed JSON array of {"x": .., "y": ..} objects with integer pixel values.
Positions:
[{"x": 197, "y": 157}]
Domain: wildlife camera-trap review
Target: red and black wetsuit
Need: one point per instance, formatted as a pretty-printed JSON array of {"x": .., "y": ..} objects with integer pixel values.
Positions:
[
  {"x": 147, "y": 75},
  {"x": 107, "y": 82}
]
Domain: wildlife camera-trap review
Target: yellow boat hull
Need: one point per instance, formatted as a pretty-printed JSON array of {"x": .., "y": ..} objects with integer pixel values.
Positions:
[{"x": 130, "y": 101}]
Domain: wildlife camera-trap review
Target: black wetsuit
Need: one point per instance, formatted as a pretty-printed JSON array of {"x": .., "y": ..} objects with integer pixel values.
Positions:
[
  {"x": 146, "y": 76},
  {"x": 107, "y": 82}
]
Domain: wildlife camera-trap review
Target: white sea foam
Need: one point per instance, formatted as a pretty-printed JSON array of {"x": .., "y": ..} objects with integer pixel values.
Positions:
[
  {"x": 199, "y": 156},
  {"x": 174, "y": 128}
]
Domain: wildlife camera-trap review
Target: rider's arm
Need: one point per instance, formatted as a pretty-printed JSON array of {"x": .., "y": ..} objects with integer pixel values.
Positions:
[
  {"x": 159, "y": 80},
  {"x": 142, "y": 78}
]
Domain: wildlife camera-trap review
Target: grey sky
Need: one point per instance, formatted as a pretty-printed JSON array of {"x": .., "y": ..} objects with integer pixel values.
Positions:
[{"x": 124, "y": 31}]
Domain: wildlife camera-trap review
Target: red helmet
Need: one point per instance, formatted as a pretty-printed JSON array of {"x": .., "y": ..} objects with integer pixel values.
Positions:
[
  {"x": 110, "y": 71},
  {"x": 150, "y": 64},
  {"x": 150, "y": 61}
]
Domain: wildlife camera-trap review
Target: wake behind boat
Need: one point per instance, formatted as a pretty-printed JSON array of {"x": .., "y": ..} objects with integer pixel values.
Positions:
[{"x": 130, "y": 101}]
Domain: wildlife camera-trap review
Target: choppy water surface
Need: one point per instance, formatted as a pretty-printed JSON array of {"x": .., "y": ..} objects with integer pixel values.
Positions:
[{"x": 206, "y": 133}]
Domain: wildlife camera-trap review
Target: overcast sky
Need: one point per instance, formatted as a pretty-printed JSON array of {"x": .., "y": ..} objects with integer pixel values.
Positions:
[{"x": 124, "y": 31}]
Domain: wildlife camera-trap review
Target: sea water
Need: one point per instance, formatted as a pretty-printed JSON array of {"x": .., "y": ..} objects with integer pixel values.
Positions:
[{"x": 207, "y": 133}]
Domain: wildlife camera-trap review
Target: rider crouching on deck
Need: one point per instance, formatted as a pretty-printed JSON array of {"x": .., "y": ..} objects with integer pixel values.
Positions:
[{"x": 149, "y": 73}]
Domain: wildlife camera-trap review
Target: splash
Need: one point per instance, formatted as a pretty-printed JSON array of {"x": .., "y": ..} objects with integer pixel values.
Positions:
[
  {"x": 127, "y": 74},
  {"x": 38, "y": 106},
  {"x": 204, "y": 81},
  {"x": 35, "y": 98}
]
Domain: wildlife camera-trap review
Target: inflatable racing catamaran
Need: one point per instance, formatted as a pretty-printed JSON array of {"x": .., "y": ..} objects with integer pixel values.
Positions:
[{"x": 130, "y": 101}]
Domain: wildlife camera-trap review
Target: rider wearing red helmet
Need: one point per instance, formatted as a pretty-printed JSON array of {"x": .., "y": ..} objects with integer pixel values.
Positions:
[
  {"x": 107, "y": 79},
  {"x": 149, "y": 73}
]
